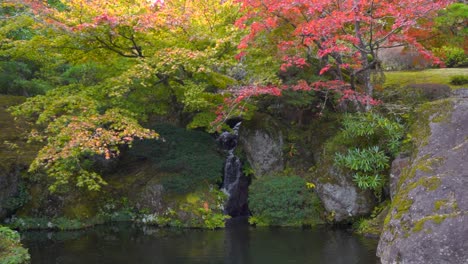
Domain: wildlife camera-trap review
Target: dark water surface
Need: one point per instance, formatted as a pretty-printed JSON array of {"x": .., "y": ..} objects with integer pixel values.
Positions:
[{"x": 124, "y": 243}]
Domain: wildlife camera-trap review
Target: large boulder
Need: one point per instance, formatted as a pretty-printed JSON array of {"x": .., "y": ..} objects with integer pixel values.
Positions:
[
  {"x": 427, "y": 221},
  {"x": 398, "y": 164},
  {"x": 340, "y": 196},
  {"x": 262, "y": 141}
]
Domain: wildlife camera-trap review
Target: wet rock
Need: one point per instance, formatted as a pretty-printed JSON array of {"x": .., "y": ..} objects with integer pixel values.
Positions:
[
  {"x": 235, "y": 183},
  {"x": 427, "y": 221}
]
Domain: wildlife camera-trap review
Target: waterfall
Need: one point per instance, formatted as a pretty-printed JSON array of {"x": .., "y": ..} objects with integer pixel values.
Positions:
[{"x": 235, "y": 183}]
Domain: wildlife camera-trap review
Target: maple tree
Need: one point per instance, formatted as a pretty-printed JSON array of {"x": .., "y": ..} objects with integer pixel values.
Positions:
[
  {"x": 124, "y": 61},
  {"x": 346, "y": 35}
]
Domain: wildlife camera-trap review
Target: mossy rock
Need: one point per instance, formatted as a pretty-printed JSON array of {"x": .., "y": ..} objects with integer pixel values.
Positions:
[
  {"x": 261, "y": 139},
  {"x": 430, "y": 206}
]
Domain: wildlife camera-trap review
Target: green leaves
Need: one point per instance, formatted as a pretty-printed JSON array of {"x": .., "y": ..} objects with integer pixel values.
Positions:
[
  {"x": 371, "y": 141},
  {"x": 367, "y": 160},
  {"x": 282, "y": 200}
]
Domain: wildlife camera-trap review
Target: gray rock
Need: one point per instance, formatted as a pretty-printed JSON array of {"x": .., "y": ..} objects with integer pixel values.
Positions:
[
  {"x": 430, "y": 91},
  {"x": 151, "y": 198},
  {"x": 341, "y": 197},
  {"x": 428, "y": 218},
  {"x": 262, "y": 141},
  {"x": 461, "y": 93},
  {"x": 398, "y": 164}
]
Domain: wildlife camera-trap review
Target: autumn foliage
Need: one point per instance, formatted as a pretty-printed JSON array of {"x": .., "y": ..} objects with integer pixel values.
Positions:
[
  {"x": 132, "y": 60},
  {"x": 346, "y": 35}
]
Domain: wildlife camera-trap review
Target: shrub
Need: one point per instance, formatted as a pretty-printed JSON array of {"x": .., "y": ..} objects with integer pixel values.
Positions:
[
  {"x": 11, "y": 251},
  {"x": 459, "y": 80},
  {"x": 452, "y": 56},
  {"x": 367, "y": 142},
  {"x": 284, "y": 201}
]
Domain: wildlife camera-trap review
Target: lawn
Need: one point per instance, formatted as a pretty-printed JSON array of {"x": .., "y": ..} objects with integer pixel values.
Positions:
[{"x": 439, "y": 76}]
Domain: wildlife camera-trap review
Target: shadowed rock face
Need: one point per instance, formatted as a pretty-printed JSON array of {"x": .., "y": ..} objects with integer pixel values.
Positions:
[{"x": 428, "y": 218}]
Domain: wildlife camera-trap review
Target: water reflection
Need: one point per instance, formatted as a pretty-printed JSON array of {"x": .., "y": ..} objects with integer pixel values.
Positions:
[{"x": 124, "y": 243}]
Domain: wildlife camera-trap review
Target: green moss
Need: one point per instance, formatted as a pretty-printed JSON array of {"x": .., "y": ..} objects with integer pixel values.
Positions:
[
  {"x": 438, "y": 111},
  {"x": 438, "y": 219},
  {"x": 432, "y": 112},
  {"x": 79, "y": 211},
  {"x": 430, "y": 183},
  {"x": 200, "y": 209},
  {"x": 374, "y": 225},
  {"x": 439, "y": 204},
  {"x": 401, "y": 202},
  {"x": 445, "y": 204},
  {"x": 438, "y": 76}
]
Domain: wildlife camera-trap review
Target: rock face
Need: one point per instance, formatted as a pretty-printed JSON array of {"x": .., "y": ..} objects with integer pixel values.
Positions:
[
  {"x": 262, "y": 142},
  {"x": 151, "y": 198},
  {"x": 398, "y": 164},
  {"x": 340, "y": 195},
  {"x": 427, "y": 221}
]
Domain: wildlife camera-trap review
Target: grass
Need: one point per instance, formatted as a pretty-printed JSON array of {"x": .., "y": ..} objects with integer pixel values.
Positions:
[{"x": 438, "y": 76}]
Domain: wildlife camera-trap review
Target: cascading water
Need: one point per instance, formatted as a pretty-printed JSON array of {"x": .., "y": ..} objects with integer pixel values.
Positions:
[{"x": 235, "y": 183}]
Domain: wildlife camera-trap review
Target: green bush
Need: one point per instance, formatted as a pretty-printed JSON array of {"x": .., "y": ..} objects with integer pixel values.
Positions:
[
  {"x": 459, "y": 79},
  {"x": 452, "y": 56},
  {"x": 365, "y": 146},
  {"x": 367, "y": 163},
  {"x": 11, "y": 251},
  {"x": 283, "y": 201}
]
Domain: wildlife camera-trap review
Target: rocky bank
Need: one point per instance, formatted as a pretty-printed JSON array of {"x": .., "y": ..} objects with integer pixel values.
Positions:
[{"x": 428, "y": 217}]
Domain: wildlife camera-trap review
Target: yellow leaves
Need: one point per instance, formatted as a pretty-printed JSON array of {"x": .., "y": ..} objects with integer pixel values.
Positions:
[{"x": 310, "y": 185}]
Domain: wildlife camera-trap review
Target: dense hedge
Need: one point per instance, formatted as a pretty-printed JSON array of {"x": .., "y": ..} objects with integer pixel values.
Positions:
[{"x": 283, "y": 201}]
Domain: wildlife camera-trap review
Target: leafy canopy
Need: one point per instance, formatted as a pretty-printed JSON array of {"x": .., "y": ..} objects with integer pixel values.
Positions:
[{"x": 113, "y": 65}]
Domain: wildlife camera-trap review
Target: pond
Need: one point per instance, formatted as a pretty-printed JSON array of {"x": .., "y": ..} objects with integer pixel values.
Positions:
[{"x": 126, "y": 243}]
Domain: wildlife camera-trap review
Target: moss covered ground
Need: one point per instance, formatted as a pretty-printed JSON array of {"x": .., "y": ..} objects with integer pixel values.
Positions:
[{"x": 436, "y": 76}]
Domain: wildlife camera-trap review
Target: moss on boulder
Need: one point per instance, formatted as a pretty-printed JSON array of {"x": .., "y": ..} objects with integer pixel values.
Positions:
[{"x": 429, "y": 211}]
